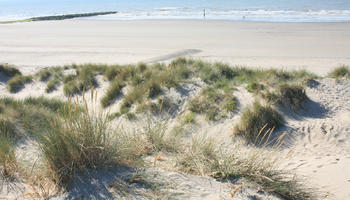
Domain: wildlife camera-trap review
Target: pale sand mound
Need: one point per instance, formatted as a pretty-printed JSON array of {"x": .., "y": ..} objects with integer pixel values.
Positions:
[
  {"x": 318, "y": 142},
  {"x": 321, "y": 150}
]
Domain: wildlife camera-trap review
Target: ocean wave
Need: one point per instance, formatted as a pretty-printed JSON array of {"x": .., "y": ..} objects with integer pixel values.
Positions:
[
  {"x": 236, "y": 15},
  {"x": 217, "y": 14}
]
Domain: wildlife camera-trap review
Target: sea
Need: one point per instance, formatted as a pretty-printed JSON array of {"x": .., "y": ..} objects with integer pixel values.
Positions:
[{"x": 235, "y": 10}]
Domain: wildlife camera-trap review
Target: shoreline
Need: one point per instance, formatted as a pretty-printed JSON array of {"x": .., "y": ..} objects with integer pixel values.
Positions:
[{"x": 223, "y": 20}]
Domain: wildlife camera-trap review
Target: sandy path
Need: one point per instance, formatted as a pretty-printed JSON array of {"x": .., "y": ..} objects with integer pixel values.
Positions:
[
  {"x": 322, "y": 148},
  {"x": 315, "y": 46}
]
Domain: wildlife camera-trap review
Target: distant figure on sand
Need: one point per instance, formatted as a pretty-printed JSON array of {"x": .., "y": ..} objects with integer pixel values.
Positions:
[{"x": 203, "y": 13}]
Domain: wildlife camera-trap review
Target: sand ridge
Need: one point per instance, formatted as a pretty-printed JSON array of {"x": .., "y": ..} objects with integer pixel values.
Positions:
[{"x": 320, "y": 134}]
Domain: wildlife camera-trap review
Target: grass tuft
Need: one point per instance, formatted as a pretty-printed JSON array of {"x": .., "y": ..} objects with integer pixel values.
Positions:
[
  {"x": 44, "y": 74},
  {"x": 9, "y": 70},
  {"x": 203, "y": 157},
  {"x": 84, "y": 80},
  {"x": 190, "y": 118},
  {"x": 77, "y": 144},
  {"x": 256, "y": 118},
  {"x": 8, "y": 163},
  {"x": 340, "y": 72},
  {"x": 212, "y": 102},
  {"x": 52, "y": 85},
  {"x": 17, "y": 83},
  {"x": 154, "y": 88},
  {"x": 289, "y": 95},
  {"x": 254, "y": 87},
  {"x": 114, "y": 90}
]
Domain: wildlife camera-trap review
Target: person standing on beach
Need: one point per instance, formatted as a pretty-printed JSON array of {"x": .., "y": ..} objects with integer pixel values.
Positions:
[{"x": 203, "y": 13}]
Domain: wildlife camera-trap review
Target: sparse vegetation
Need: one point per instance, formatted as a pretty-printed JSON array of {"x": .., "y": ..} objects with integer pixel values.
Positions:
[
  {"x": 154, "y": 88},
  {"x": 190, "y": 118},
  {"x": 73, "y": 138},
  {"x": 83, "y": 81},
  {"x": 212, "y": 101},
  {"x": 33, "y": 116},
  {"x": 340, "y": 72},
  {"x": 254, "y": 87},
  {"x": 18, "y": 82},
  {"x": 78, "y": 143},
  {"x": 8, "y": 135},
  {"x": 203, "y": 157},
  {"x": 114, "y": 90},
  {"x": 9, "y": 70},
  {"x": 200, "y": 157},
  {"x": 256, "y": 118},
  {"x": 291, "y": 95},
  {"x": 44, "y": 74},
  {"x": 52, "y": 85}
]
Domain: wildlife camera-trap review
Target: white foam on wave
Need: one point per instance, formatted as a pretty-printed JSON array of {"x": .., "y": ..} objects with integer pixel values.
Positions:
[
  {"x": 236, "y": 15},
  {"x": 217, "y": 14}
]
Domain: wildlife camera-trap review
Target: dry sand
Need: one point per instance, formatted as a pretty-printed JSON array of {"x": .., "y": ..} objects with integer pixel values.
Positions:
[
  {"x": 319, "y": 145},
  {"x": 318, "y": 47}
]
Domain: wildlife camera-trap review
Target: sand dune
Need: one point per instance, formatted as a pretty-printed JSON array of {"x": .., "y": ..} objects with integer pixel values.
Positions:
[
  {"x": 318, "y": 145},
  {"x": 319, "y": 136}
]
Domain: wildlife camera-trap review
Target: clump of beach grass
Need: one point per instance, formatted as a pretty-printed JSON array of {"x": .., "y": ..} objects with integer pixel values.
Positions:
[
  {"x": 212, "y": 101},
  {"x": 18, "y": 82},
  {"x": 114, "y": 90},
  {"x": 9, "y": 70},
  {"x": 340, "y": 72},
  {"x": 82, "y": 81},
  {"x": 74, "y": 144},
  {"x": 44, "y": 74},
  {"x": 53, "y": 76},
  {"x": 8, "y": 162},
  {"x": 289, "y": 95},
  {"x": 257, "y": 117},
  {"x": 189, "y": 118},
  {"x": 254, "y": 87},
  {"x": 202, "y": 156},
  {"x": 52, "y": 85},
  {"x": 162, "y": 104},
  {"x": 292, "y": 95},
  {"x": 160, "y": 140}
]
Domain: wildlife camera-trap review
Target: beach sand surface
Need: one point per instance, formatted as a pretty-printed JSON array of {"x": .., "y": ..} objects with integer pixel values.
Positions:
[{"x": 318, "y": 47}]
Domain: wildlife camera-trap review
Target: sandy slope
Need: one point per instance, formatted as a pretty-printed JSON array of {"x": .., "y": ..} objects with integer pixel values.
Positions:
[
  {"x": 318, "y": 142},
  {"x": 315, "y": 46},
  {"x": 321, "y": 149}
]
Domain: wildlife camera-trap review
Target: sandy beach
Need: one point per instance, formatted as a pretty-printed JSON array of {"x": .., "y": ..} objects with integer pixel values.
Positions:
[
  {"x": 318, "y": 47},
  {"x": 317, "y": 140}
]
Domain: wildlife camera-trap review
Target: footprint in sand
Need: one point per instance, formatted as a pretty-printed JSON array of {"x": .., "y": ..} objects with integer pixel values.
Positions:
[{"x": 319, "y": 166}]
